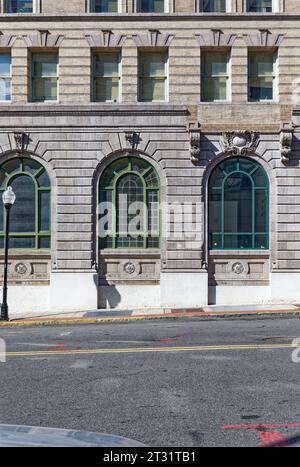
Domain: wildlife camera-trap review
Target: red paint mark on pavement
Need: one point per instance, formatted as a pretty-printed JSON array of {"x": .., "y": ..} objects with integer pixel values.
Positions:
[
  {"x": 59, "y": 346},
  {"x": 268, "y": 438},
  {"x": 166, "y": 340},
  {"x": 260, "y": 426}
]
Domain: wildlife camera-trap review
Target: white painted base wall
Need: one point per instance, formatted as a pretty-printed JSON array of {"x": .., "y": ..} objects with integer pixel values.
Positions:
[
  {"x": 238, "y": 295},
  {"x": 285, "y": 287},
  {"x": 183, "y": 289},
  {"x": 23, "y": 300},
  {"x": 73, "y": 291},
  {"x": 129, "y": 296},
  {"x": 78, "y": 291}
]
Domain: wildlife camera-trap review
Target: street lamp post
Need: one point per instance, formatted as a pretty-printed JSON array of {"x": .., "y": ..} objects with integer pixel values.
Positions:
[{"x": 8, "y": 199}]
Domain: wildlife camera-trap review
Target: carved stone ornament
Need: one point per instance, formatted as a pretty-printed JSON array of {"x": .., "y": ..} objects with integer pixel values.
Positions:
[
  {"x": 195, "y": 137},
  {"x": 239, "y": 142},
  {"x": 238, "y": 268},
  {"x": 129, "y": 268},
  {"x": 132, "y": 138},
  {"x": 286, "y": 138},
  {"x": 20, "y": 140},
  {"x": 21, "y": 268}
]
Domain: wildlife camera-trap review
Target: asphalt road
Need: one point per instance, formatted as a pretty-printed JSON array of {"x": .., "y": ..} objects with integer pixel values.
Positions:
[{"x": 183, "y": 382}]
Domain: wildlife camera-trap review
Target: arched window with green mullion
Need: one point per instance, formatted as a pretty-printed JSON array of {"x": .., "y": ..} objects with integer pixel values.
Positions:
[
  {"x": 129, "y": 205},
  {"x": 30, "y": 221},
  {"x": 238, "y": 198}
]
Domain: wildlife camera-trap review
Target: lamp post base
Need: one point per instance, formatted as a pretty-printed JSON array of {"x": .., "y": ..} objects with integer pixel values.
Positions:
[{"x": 4, "y": 312}]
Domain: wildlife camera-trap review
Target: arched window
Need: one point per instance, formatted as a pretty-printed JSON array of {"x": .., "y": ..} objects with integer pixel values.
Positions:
[
  {"x": 129, "y": 205},
  {"x": 238, "y": 205},
  {"x": 30, "y": 215}
]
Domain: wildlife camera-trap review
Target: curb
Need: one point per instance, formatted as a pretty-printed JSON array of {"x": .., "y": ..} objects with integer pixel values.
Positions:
[{"x": 204, "y": 315}]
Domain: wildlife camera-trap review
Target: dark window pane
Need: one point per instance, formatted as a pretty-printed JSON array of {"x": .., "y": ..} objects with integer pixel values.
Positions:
[
  {"x": 261, "y": 242},
  {"x": 238, "y": 242},
  {"x": 215, "y": 241},
  {"x": 43, "y": 180},
  {"x": 136, "y": 214},
  {"x": 215, "y": 206},
  {"x": 261, "y": 215},
  {"x": 23, "y": 212},
  {"x": 22, "y": 242},
  {"x": 1, "y": 215},
  {"x": 238, "y": 203},
  {"x": 259, "y": 178},
  {"x": 2, "y": 178},
  {"x": 130, "y": 215},
  {"x": 44, "y": 242},
  {"x": 130, "y": 242},
  {"x": 153, "y": 242},
  {"x": 153, "y": 211},
  {"x": 31, "y": 166},
  {"x": 45, "y": 211},
  {"x": 233, "y": 195},
  {"x": 19, "y": 6},
  {"x": 14, "y": 165},
  {"x": 217, "y": 177}
]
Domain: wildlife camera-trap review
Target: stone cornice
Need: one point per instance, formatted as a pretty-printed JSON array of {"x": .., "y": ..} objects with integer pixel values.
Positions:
[
  {"x": 104, "y": 17},
  {"x": 92, "y": 110}
]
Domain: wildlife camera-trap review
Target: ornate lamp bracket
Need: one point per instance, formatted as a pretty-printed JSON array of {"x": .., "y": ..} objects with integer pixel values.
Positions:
[
  {"x": 21, "y": 140},
  {"x": 195, "y": 137},
  {"x": 239, "y": 142},
  {"x": 133, "y": 139},
  {"x": 286, "y": 138}
]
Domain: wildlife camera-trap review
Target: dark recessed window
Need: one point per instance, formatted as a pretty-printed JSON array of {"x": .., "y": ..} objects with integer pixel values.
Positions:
[
  {"x": 19, "y": 6},
  {"x": 260, "y": 6},
  {"x": 238, "y": 206},
  {"x": 30, "y": 221}
]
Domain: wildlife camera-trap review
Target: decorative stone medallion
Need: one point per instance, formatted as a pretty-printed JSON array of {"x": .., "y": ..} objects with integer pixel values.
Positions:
[
  {"x": 21, "y": 268},
  {"x": 129, "y": 268},
  {"x": 238, "y": 268},
  {"x": 239, "y": 142}
]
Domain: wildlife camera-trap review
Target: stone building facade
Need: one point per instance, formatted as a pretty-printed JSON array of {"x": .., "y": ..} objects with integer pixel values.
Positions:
[{"x": 218, "y": 134}]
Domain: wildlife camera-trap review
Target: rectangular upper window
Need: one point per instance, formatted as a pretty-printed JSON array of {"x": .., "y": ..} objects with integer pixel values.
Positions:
[
  {"x": 214, "y": 76},
  {"x": 18, "y": 6},
  {"x": 262, "y": 77},
  {"x": 152, "y": 76},
  {"x": 105, "y": 6},
  {"x": 44, "y": 77},
  {"x": 106, "y": 77},
  {"x": 5, "y": 77},
  {"x": 260, "y": 6},
  {"x": 213, "y": 6},
  {"x": 151, "y": 6}
]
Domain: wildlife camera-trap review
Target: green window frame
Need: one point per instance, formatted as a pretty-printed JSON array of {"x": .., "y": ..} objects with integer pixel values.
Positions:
[
  {"x": 30, "y": 220},
  {"x": 238, "y": 205},
  {"x": 106, "y": 76},
  {"x": 262, "y": 73},
  {"x": 153, "y": 76},
  {"x": 215, "y": 79},
  {"x": 138, "y": 179},
  {"x": 44, "y": 77}
]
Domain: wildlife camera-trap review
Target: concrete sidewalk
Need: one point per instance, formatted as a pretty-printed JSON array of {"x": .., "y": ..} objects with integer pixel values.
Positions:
[{"x": 207, "y": 312}]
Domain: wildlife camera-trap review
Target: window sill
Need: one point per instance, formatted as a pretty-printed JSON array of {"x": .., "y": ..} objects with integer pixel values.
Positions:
[
  {"x": 239, "y": 253},
  {"x": 27, "y": 252},
  {"x": 130, "y": 252}
]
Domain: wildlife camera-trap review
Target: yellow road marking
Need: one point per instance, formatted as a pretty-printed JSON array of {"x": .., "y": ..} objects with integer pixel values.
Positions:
[{"x": 191, "y": 348}]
